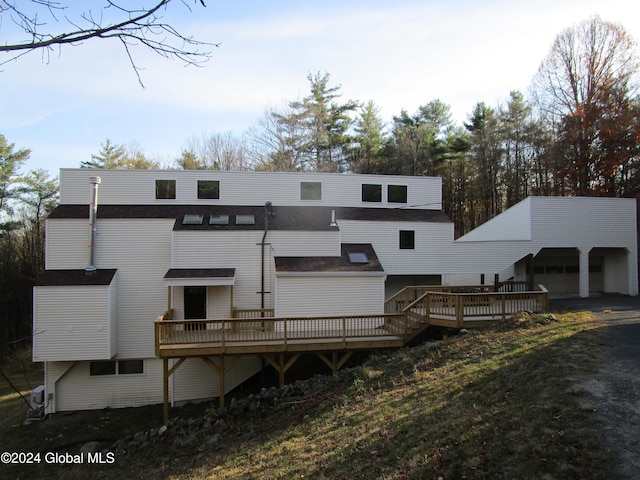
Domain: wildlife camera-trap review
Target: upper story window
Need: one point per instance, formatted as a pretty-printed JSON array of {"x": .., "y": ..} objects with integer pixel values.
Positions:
[
  {"x": 397, "y": 193},
  {"x": 407, "y": 239},
  {"x": 310, "y": 191},
  {"x": 209, "y": 189},
  {"x": 371, "y": 192},
  {"x": 166, "y": 189}
]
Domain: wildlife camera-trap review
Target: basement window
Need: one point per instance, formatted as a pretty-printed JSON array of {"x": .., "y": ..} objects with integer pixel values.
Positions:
[
  {"x": 219, "y": 220},
  {"x": 209, "y": 189},
  {"x": 166, "y": 189},
  {"x": 111, "y": 367},
  {"x": 190, "y": 219}
]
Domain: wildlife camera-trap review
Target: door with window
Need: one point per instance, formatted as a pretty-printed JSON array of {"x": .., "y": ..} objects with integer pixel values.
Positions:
[{"x": 195, "y": 306}]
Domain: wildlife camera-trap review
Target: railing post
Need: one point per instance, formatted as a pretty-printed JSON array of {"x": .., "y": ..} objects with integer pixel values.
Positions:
[
  {"x": 504, "y": 307},
  {"x": 284, "y": 327},
  {"x": 344, "y": 332}
]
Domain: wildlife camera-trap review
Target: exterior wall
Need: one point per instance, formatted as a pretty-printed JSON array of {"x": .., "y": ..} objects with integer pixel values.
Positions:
[
  {"x": 242, "y": 188},
  {"x": 241, "y": 250},
  {"x": 512, "y": 224},
  {"x": 327, "y": 295},
  {"x": 195, "y": 380},
  {"x": 85, "y": 332},
  {"x": 428, "y": 257},
  {"x": 141, "y": 251}
]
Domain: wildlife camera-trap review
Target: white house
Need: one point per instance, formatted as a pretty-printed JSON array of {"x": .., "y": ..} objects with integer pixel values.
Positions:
[{"x": 204, "y": 244}]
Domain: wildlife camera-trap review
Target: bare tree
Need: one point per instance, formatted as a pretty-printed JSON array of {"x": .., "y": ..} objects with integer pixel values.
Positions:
[
  {"x": 131, "y": 26},
  {"x": 589, "y": 68},
  {"x": 217, "y": 151}
]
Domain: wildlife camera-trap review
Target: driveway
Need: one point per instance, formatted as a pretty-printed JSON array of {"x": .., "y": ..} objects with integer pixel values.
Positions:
[{"x": 614, "y": 388}]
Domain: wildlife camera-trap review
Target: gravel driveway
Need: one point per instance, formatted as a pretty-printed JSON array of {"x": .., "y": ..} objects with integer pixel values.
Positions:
[{"x": 614, "y": 389}]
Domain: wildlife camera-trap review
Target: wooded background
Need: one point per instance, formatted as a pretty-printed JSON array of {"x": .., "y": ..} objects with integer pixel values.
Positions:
[{"x": 575, "y": 132}]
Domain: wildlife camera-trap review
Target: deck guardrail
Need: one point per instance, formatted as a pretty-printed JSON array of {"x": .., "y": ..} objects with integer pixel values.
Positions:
[{"x": 222, "y": 333}]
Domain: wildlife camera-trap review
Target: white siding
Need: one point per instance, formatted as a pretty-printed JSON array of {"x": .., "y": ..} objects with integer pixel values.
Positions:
[
  {"x": 326, "y": 295},
  {"x": 512, "y": 224},
  {"x": 241, "y": 188},
  {"x": 77, "y": 390},
  {"x": 85, "y": 332},
  {"x": 67, "y": 243},
  {"x": 428, "y": 258},
  {"x": 195, "y": 380}
]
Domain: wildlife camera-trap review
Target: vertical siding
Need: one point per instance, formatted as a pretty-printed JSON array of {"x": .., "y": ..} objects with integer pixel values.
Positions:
[{"x": 326, "y": 295}]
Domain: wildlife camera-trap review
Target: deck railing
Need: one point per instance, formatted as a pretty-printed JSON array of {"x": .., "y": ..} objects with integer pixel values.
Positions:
[
  {"x": 408, "y": 295},
  {"x": 224, "y": 332},
  {"x": 458, "y": 309},
  {"x": 406, "y": 314}
]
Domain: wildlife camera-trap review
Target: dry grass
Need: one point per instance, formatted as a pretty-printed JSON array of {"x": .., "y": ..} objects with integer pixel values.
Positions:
[{"x": 496, "y": 403}]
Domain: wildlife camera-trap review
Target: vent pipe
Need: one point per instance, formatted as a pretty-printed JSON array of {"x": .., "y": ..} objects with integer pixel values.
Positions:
[
  {"x": 333, "y": 219},
  {"x": 93, "y": 212}
]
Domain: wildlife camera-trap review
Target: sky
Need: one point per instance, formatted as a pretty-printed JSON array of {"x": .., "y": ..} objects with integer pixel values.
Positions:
[{"x": 401, "y": 54}]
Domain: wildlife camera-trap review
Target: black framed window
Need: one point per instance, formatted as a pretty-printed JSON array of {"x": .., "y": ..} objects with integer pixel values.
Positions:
[
  {"x": 166, "y": 189},
  {"x": 371, "y": 192},
  {"x": 397, "y": 193},
  {"x": 209, "y": 189},
  {"x": 102, "y": 368},
  {"x": 407, "y": 240}
]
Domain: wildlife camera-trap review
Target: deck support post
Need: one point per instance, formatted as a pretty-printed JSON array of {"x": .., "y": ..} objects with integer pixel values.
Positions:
[
  {"x": 336, "y": 363},
  {"x": 165, "y": 389},
  {"x": 280, "y": 366}
]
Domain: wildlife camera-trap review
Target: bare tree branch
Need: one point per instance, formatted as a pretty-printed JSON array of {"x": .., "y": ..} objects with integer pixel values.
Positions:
[{"x": 133, "y": 27}]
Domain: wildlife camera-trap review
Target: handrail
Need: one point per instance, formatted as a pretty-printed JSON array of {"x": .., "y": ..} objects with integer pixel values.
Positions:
[{"x": 281, "y": 329}]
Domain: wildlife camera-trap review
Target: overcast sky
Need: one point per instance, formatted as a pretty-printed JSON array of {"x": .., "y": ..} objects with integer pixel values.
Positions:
[{"x": 401, "y": 54}]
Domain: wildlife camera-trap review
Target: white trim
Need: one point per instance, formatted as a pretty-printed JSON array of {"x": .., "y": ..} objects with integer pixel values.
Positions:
[{"x": 200, "y": 282}]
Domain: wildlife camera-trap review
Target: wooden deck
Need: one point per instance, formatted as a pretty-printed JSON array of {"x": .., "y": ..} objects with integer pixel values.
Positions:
[{"x": 257, "y": 332}]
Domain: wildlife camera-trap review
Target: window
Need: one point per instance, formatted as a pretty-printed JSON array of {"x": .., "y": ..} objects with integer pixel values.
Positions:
[
  {"x": 397, "y": 193},
  {"x": 407, "y": 239},
  {"x": 166, "y": 189},
  {"x": 209, "y": 189},
  {"x": 357, "y": 257},
  {"x": 245, "y": 220},
  {"x": 121, "y": 367},
  {"x": 310, "y": 191},
  {"x": 102, "y": 368},
  {"x": 130, "y": 367},
  {"x": 371, "y": 193}
]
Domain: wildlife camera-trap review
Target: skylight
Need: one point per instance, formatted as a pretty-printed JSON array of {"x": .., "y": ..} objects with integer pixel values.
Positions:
[
  {"x": 192, "y": 219},
  {"x": 245, "y": 220},
  {"x": 357, "y": 257},
  {"x": 219, "y": 220}
]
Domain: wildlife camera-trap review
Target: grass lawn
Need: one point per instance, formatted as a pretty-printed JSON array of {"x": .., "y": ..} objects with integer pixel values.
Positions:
[{"x": 500, "y": 403}]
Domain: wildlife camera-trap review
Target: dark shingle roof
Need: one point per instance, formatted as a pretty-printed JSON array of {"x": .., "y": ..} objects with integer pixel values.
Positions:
[
  {"x": 332, "y": 264},
  {"x": 52, "y": 278},
  {"x": 312, "y": 218},
  {"x": 200, "y": 273}
]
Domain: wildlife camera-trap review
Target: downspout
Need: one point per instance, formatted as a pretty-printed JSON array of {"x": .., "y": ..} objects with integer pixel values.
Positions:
[
  {"x": 93, "y": 213},
  {"x": 267, "y": 207}
]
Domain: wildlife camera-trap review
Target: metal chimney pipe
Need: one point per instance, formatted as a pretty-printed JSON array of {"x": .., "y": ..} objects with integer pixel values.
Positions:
[{"x": 93, "y": 213}]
